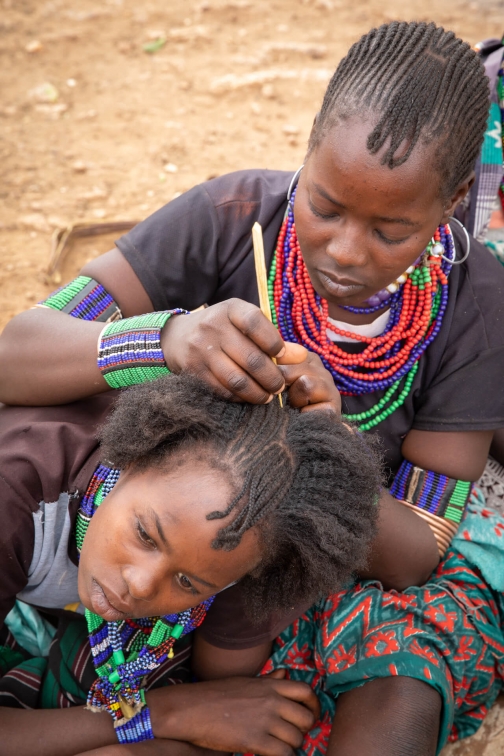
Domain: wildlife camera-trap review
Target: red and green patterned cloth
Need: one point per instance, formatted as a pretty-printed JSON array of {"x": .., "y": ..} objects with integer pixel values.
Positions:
[{"x": 449, "y": 633}]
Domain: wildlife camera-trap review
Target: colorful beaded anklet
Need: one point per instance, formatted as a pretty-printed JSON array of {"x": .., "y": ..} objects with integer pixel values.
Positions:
[
  {"x": 129, "y": 350},
  {"x": 84, "y": 298},
  {"x": 439, "y": 500},
  {"x": 125, "y": 652}
]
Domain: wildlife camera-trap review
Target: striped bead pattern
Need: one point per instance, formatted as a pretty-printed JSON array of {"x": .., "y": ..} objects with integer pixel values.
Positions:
[
  {"x": 84, "y": 298},
  {"x": 129, "y": 350},
  {"x": 125, "y": 652},
  {"x": 431, "y": 491}
]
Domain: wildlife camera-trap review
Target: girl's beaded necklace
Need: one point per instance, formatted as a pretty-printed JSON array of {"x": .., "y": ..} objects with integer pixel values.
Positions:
[
  {"x": 388, "y": 362},
  {"x": 125, "y": 652}
]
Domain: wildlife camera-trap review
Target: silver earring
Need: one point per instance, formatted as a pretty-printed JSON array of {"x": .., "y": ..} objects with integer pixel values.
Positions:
[
  {"x": 293, "y": 183},
  {"x": 468, "y": 245}
]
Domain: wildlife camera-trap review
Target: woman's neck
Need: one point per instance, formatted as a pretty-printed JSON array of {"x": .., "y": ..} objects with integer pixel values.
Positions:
[{"x": 353, "y": 318}]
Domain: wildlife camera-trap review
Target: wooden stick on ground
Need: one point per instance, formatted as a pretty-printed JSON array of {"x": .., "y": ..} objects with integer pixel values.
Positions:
[{"x": 262, "y": 278}]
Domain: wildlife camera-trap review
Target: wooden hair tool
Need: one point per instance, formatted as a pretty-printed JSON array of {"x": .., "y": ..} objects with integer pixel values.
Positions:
[{"x": 262, "y": 278}]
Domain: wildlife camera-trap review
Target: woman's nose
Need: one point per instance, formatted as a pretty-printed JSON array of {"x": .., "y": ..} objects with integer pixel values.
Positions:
[{"x": 347, "y": 247}]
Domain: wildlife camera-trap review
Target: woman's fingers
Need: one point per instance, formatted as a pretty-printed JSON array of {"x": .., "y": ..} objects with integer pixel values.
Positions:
[
  {"x": 311, "y": 385},
  {"x": 230, "y": 375},
  {"x": 231, "y": 343},
  {"x": 293, "y": 354},
  {"x": 256, "y": 326}
]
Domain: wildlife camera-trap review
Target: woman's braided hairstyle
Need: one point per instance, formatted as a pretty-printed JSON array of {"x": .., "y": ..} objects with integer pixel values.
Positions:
[
  {"x": 306, "y": 480},
  {"x": 422, "y": 83}
]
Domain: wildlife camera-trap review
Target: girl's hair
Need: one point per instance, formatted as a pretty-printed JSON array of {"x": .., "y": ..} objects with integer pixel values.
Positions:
[
  {"x": 309, "y": 483},
  {"x": 422, "y": 83}
]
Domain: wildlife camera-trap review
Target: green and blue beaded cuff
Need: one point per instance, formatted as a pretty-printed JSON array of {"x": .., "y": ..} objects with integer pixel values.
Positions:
[
  {"x": 129, "y": 350},
  {"x": 84, "y": 298}
]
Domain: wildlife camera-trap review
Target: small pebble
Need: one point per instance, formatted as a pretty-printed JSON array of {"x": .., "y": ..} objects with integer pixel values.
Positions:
[
  {"x": 79, "y": 167},
  {"x": 34, "y": 46},
  {"x": 171, "y": 168}
]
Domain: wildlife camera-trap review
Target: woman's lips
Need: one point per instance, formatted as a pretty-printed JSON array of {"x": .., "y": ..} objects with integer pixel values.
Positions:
[
  {"x": 102, "y": 606},
  {"x": 340, "y": 287}
]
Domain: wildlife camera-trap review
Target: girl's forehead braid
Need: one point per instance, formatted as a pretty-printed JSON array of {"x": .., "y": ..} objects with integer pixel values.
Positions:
[{"x": 410, "y": 76}]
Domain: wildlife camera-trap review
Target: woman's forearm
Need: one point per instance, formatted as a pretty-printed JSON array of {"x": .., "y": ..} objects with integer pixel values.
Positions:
[
  {"x": 53, "y": 732},
  {"x": 48, "y": 357}
]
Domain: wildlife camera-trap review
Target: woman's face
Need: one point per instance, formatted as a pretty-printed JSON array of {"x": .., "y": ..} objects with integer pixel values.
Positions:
[
  {"x": 360, "y": 224},
  {"x": 148, "y": 549}
]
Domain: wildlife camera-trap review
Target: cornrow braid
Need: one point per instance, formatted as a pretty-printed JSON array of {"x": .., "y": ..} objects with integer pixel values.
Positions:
[
  {"x": 423, "y": 84},
  {"x": 307, "y": 482}
]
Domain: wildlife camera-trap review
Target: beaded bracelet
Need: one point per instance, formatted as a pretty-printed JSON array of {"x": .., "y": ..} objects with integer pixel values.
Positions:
[
  {"x": 129, "y": 350},
  {"x": 84, "y": 298},
  {"x": 437, "y": 499}
]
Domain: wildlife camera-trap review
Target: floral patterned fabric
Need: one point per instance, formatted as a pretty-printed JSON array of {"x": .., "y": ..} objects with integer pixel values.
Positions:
[{"x": 448, "y": 633}]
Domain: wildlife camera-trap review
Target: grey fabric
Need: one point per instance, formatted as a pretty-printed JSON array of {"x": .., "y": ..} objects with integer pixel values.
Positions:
[{"x": 52, "y": 577}]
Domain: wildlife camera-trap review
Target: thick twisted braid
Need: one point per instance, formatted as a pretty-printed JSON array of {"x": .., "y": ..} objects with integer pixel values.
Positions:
[
  {"x": 422, "y": 83},
  {"x": 304, "y": 479}
]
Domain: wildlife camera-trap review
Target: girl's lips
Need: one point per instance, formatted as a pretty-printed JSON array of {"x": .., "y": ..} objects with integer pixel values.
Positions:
[{"x": 102, "y": 606}]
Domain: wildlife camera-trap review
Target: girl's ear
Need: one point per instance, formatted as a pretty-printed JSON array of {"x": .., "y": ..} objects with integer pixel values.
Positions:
[{"x": 457, "y": 197}]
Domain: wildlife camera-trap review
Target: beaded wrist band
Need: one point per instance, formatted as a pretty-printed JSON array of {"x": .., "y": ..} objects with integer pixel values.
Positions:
[
  {"x": 129, "y": 350},
  {"x": 437, "y": 499},
  {"x": 84, "y": 298}
]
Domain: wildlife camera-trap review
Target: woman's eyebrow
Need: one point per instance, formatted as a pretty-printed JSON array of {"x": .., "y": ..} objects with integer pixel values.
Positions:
[{"x": 384, "y": 219}]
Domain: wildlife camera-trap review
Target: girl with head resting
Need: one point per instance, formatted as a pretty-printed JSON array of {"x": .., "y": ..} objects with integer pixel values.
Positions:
[
  {"x": 369, "y": 272},
  {"x": 191, "y": 505}
]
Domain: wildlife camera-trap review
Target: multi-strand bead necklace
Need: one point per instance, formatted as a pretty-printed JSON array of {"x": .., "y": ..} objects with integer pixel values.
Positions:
[
  {"x": 125, "y": 652},
  {"x": 389, "y": 362}
]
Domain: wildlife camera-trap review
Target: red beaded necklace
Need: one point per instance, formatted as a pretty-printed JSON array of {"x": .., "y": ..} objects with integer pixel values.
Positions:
[{"x": 416, "y": 316}]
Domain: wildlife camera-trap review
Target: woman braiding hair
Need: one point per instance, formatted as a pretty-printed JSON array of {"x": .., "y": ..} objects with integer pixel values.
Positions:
[{"x": 371, "y": 273}]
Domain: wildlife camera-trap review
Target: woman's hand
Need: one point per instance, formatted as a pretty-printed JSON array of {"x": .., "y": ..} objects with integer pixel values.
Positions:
[
  {"x": 230, "y": 346},
  {"x": 266, "y": 716},
  {"x": 310, "y": 385}
]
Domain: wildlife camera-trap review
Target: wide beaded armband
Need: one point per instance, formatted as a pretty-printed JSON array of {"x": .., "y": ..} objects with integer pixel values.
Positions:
[
  {"x": 439, "y": 500},
  {"x": 129, "y": 350},
  {"x": 84, "y": 298}
]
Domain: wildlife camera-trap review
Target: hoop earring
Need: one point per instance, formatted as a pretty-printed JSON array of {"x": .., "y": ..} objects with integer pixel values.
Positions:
[
  {"x": 293, "y": 183},
  {"x": 468, "y": 245}
]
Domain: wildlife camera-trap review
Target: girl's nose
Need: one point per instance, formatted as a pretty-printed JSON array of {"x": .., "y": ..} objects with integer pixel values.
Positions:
[{"x": 142, "y": 582}]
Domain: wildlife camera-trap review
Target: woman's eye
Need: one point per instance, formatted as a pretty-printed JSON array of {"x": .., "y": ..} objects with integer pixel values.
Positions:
[
  {"x": 185, "y": 583},
  {"x": 143, "y": 536},
  {"x": 391, "y": 241},
  {"x": 325, "y": 216}
]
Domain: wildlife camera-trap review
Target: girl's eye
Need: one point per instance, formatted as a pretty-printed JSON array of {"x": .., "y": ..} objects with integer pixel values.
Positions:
[
  {"x": 143, "y": 536},
  {"x": 185, "y": 583}
]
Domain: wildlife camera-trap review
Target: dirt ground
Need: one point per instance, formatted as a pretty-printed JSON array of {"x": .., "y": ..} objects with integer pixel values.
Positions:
[{"x": 109, "y": 108}]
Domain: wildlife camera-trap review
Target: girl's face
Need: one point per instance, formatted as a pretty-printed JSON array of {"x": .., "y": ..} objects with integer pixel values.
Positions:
[
  {"x": 360, "y": 224},
  {"x": 148, "y": 549}
]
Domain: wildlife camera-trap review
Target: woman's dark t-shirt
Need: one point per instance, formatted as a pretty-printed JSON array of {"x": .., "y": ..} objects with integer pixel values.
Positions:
[{"x": 198, "y": 249}]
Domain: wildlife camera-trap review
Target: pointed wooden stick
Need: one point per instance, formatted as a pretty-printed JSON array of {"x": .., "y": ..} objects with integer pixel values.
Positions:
[{"x": 262, "y": 278}]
